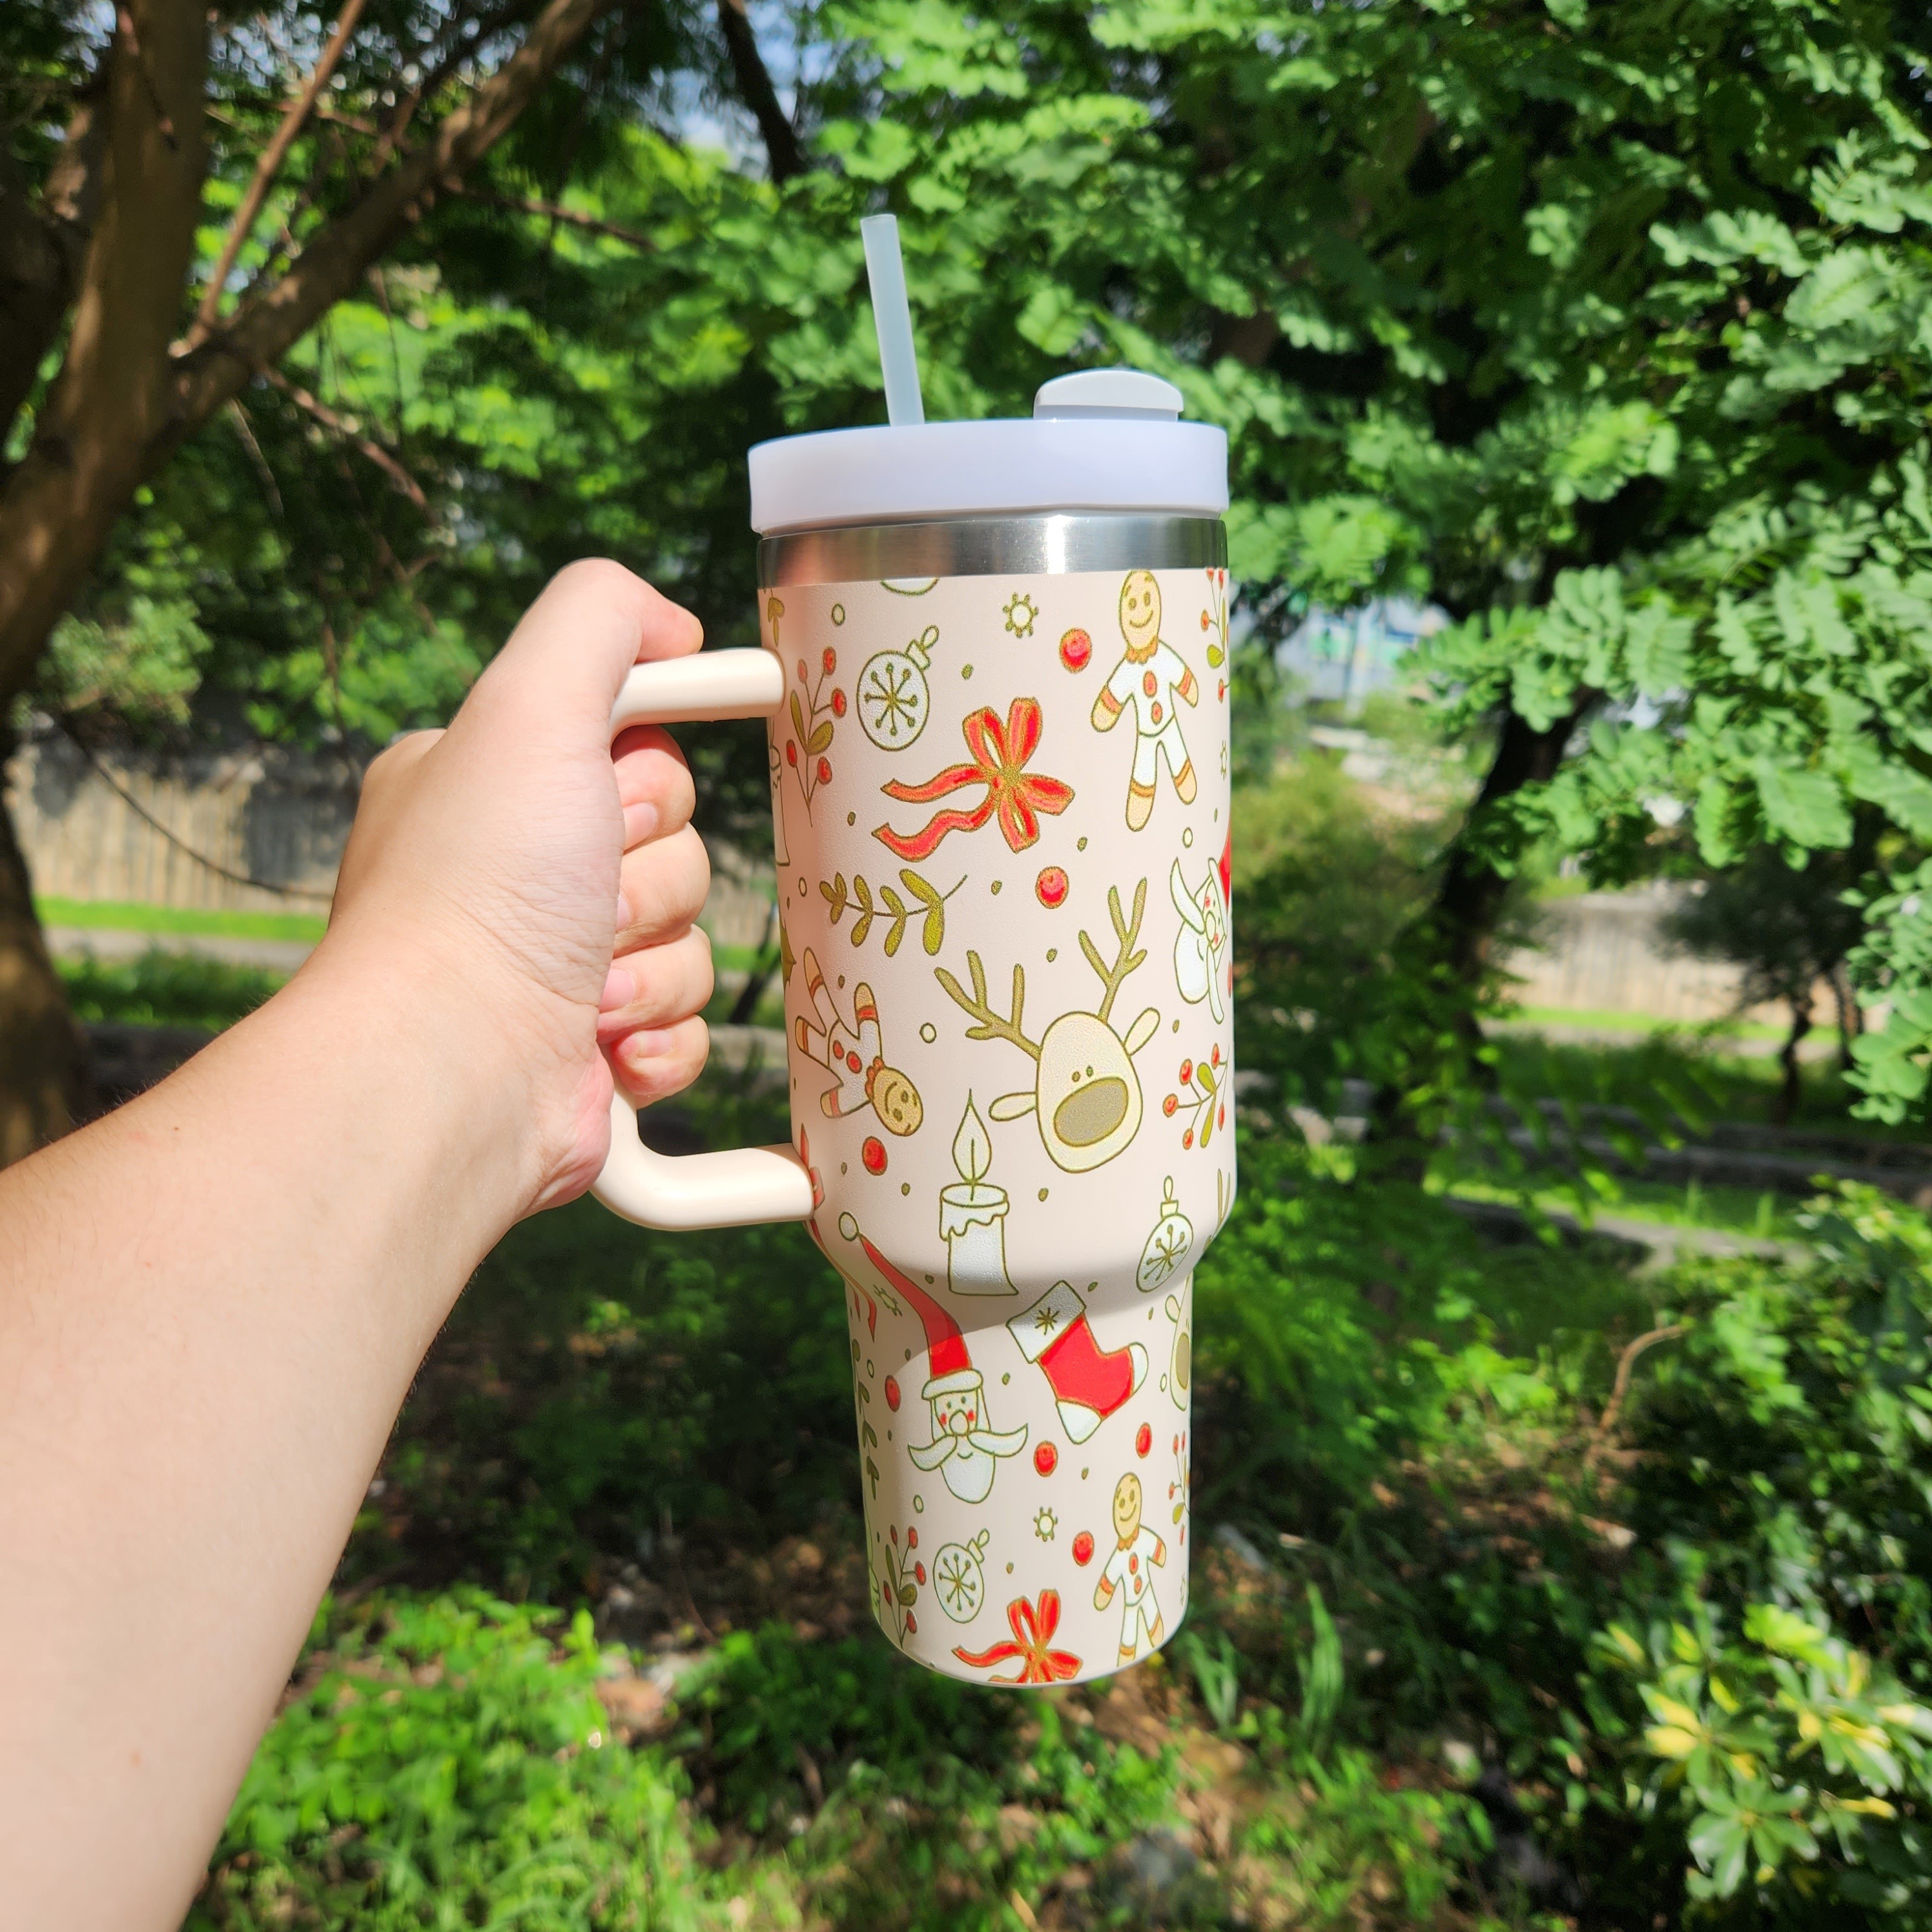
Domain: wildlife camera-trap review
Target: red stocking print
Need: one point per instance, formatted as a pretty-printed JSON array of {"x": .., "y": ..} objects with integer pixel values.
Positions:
[{"x": 1089, "y": 1382}]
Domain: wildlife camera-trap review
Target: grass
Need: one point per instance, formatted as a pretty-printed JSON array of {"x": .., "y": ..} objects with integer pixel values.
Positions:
[
  {"x": 1758, "y": 1214},
  {"x": 117, "y": 916},
  {"x": 1598, "y": 1019}
]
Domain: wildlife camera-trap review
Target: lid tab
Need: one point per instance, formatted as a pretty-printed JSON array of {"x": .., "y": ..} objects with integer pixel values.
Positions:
[{"x": 1124, "y": 394}]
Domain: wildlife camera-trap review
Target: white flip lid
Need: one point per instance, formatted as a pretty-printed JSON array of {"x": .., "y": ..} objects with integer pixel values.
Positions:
[{"x": 1098, "y": 440}]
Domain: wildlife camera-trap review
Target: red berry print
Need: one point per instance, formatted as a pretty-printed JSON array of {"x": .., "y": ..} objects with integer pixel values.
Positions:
[
  {"x": 1050, "y": 888},
  {"x": 1187, "y": 1138},
  {"x": 918, "y": 1570},
  {"x": 1214, "y": 1060},
  {"x": 803, "y": 673},
  {"x": 1221, "y": 1118},
  {"x": 1143, "y": 1440},
  {"x": 1046, "y": 1459},
  {"x": 912, "y": 1625},
  {"x": 791, "y": 752},
  {"x": 1204, "y": 620},
  {"x": 1186, "y": 1071},
  {"x": 1167, "y": 1105},
  {"x": 912, "y": 1542},
  {"x": 825, "y": 771},
  {"x": 873, "y": 1154},
  {"x": 1083, "y": 1548},
  {"x": 893, "y": 1393},
  {"x": 838, "y": 704},
  {"x": 829, "y": 660},
  {"x": 1075, "y": 648}
]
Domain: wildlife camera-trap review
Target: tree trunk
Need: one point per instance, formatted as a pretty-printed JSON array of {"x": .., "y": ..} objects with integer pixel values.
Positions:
[
  {"x": 1791, "y": 1090},
  {"x": 125, "y": 401},
  {"x": 115, "y": 393},
  {"x": 1457, "y": 935},
  {"x": 47, "y": 1080}
]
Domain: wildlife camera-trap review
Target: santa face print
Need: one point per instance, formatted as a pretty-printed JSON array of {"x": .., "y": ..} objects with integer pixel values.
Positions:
[{"x": 1005, "y": 924}]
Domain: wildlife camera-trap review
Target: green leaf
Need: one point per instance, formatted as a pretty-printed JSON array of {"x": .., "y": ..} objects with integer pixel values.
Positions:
[{"x": 1805, "y": 807}]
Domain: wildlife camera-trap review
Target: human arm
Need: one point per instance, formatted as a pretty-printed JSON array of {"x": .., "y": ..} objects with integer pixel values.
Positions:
[{"x": 212, "y": 1302}]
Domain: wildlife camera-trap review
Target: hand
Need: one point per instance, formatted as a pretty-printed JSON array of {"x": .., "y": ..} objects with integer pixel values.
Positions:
[{"x": 501, "y": 863}]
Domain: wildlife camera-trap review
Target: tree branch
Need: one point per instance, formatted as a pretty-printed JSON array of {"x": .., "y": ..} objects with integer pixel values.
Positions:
[
  {"x": 340, "y": 426},
  {"x": 262, "y": 330},
  {"x": 268, "y": 166},
  {"x": 553, "y": 211},
  {"x": 784, "y": 156}
]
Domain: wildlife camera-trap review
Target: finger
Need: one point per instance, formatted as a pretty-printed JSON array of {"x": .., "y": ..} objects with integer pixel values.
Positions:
[
  {"x": 657, "y": 985},
  {"x": 577, "y": 643},
  {"x": 655, "y": 1062},
  {"x": 654, "y": 784},
  {"x": 661, "y": 889}
]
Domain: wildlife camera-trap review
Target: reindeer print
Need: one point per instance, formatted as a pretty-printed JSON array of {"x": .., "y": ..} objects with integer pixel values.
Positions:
[
  {"x": 855, "y": 1057},
  {"x": 1086, "y": 1096}
]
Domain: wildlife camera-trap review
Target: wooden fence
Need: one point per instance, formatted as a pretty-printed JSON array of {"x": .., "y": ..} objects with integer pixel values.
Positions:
[{"x": 259, "y": 830}]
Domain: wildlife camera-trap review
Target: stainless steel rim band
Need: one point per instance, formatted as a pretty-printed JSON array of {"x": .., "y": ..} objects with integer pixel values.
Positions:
[{"x": 1056, "y": 545}]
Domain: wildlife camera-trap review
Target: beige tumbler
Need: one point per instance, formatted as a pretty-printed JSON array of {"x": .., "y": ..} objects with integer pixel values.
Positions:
[{"x": 995, "y": 666}]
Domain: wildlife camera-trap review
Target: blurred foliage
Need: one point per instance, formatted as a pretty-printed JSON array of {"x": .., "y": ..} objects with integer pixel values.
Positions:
[{"x": 165, "y": 989}]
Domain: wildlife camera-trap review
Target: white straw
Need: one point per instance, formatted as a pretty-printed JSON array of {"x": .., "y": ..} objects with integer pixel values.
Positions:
[{"x": 891, "y": 316}]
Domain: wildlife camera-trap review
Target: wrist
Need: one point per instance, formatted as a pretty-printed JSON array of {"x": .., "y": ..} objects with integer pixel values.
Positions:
[{"x": 441, "y": 1046}]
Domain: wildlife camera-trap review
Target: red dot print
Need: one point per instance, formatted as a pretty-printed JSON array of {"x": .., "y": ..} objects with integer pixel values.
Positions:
[
  {"x": 873, "y": 1154},
  {"x": 1046, "y": 1459},
  {"x": 829, "y": 660},
  {"x": 1150, "y": 684},
  {"x": 892, "y": 1394},
  {"x": 1083, "y": 1548},
  {"x": 1075, "y": 648},
  {"x": 1155, "y": 711},
  {"x": 1050, "y": 888},
  {"x": 1143, "y": 1440}
]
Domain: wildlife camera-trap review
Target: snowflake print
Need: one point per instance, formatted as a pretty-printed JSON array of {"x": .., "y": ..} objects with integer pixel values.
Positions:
[
  {"x": 1021, "y": 610},
  {"x": 1045, "y": 1525}
]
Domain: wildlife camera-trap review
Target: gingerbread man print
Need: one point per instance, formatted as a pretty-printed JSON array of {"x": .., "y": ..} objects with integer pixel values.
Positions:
[
  {"x": 855, "y": 1057},
  {"x": 1138, "y": 1553},
  {"x": 1151, "y": 678}
]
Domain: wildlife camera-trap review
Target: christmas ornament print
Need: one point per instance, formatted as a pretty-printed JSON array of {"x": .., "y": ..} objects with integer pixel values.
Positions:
[
  {"x": 1168, "y": 1246},
  {"x": 894, "y": 698},
  {"x": 959, "y": 1577},
  {"x": 1006, "y": 1199}
]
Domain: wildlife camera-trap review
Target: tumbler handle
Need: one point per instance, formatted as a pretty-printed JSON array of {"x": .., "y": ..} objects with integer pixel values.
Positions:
[{"x": 737, "y": 1187}]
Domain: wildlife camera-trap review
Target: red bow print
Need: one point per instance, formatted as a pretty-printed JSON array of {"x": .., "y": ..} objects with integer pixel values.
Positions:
[
  {"x": 999, "y": 753},
  {"x": 1033, "y": 1630}
]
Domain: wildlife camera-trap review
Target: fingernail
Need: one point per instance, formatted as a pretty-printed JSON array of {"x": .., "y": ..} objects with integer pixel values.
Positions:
[
  {"x": 640, "y": 822},
  {"x": 649, "y": 1044},
  {"x": 619, "y": 990},
  {"x": 623, "y": 911}
]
